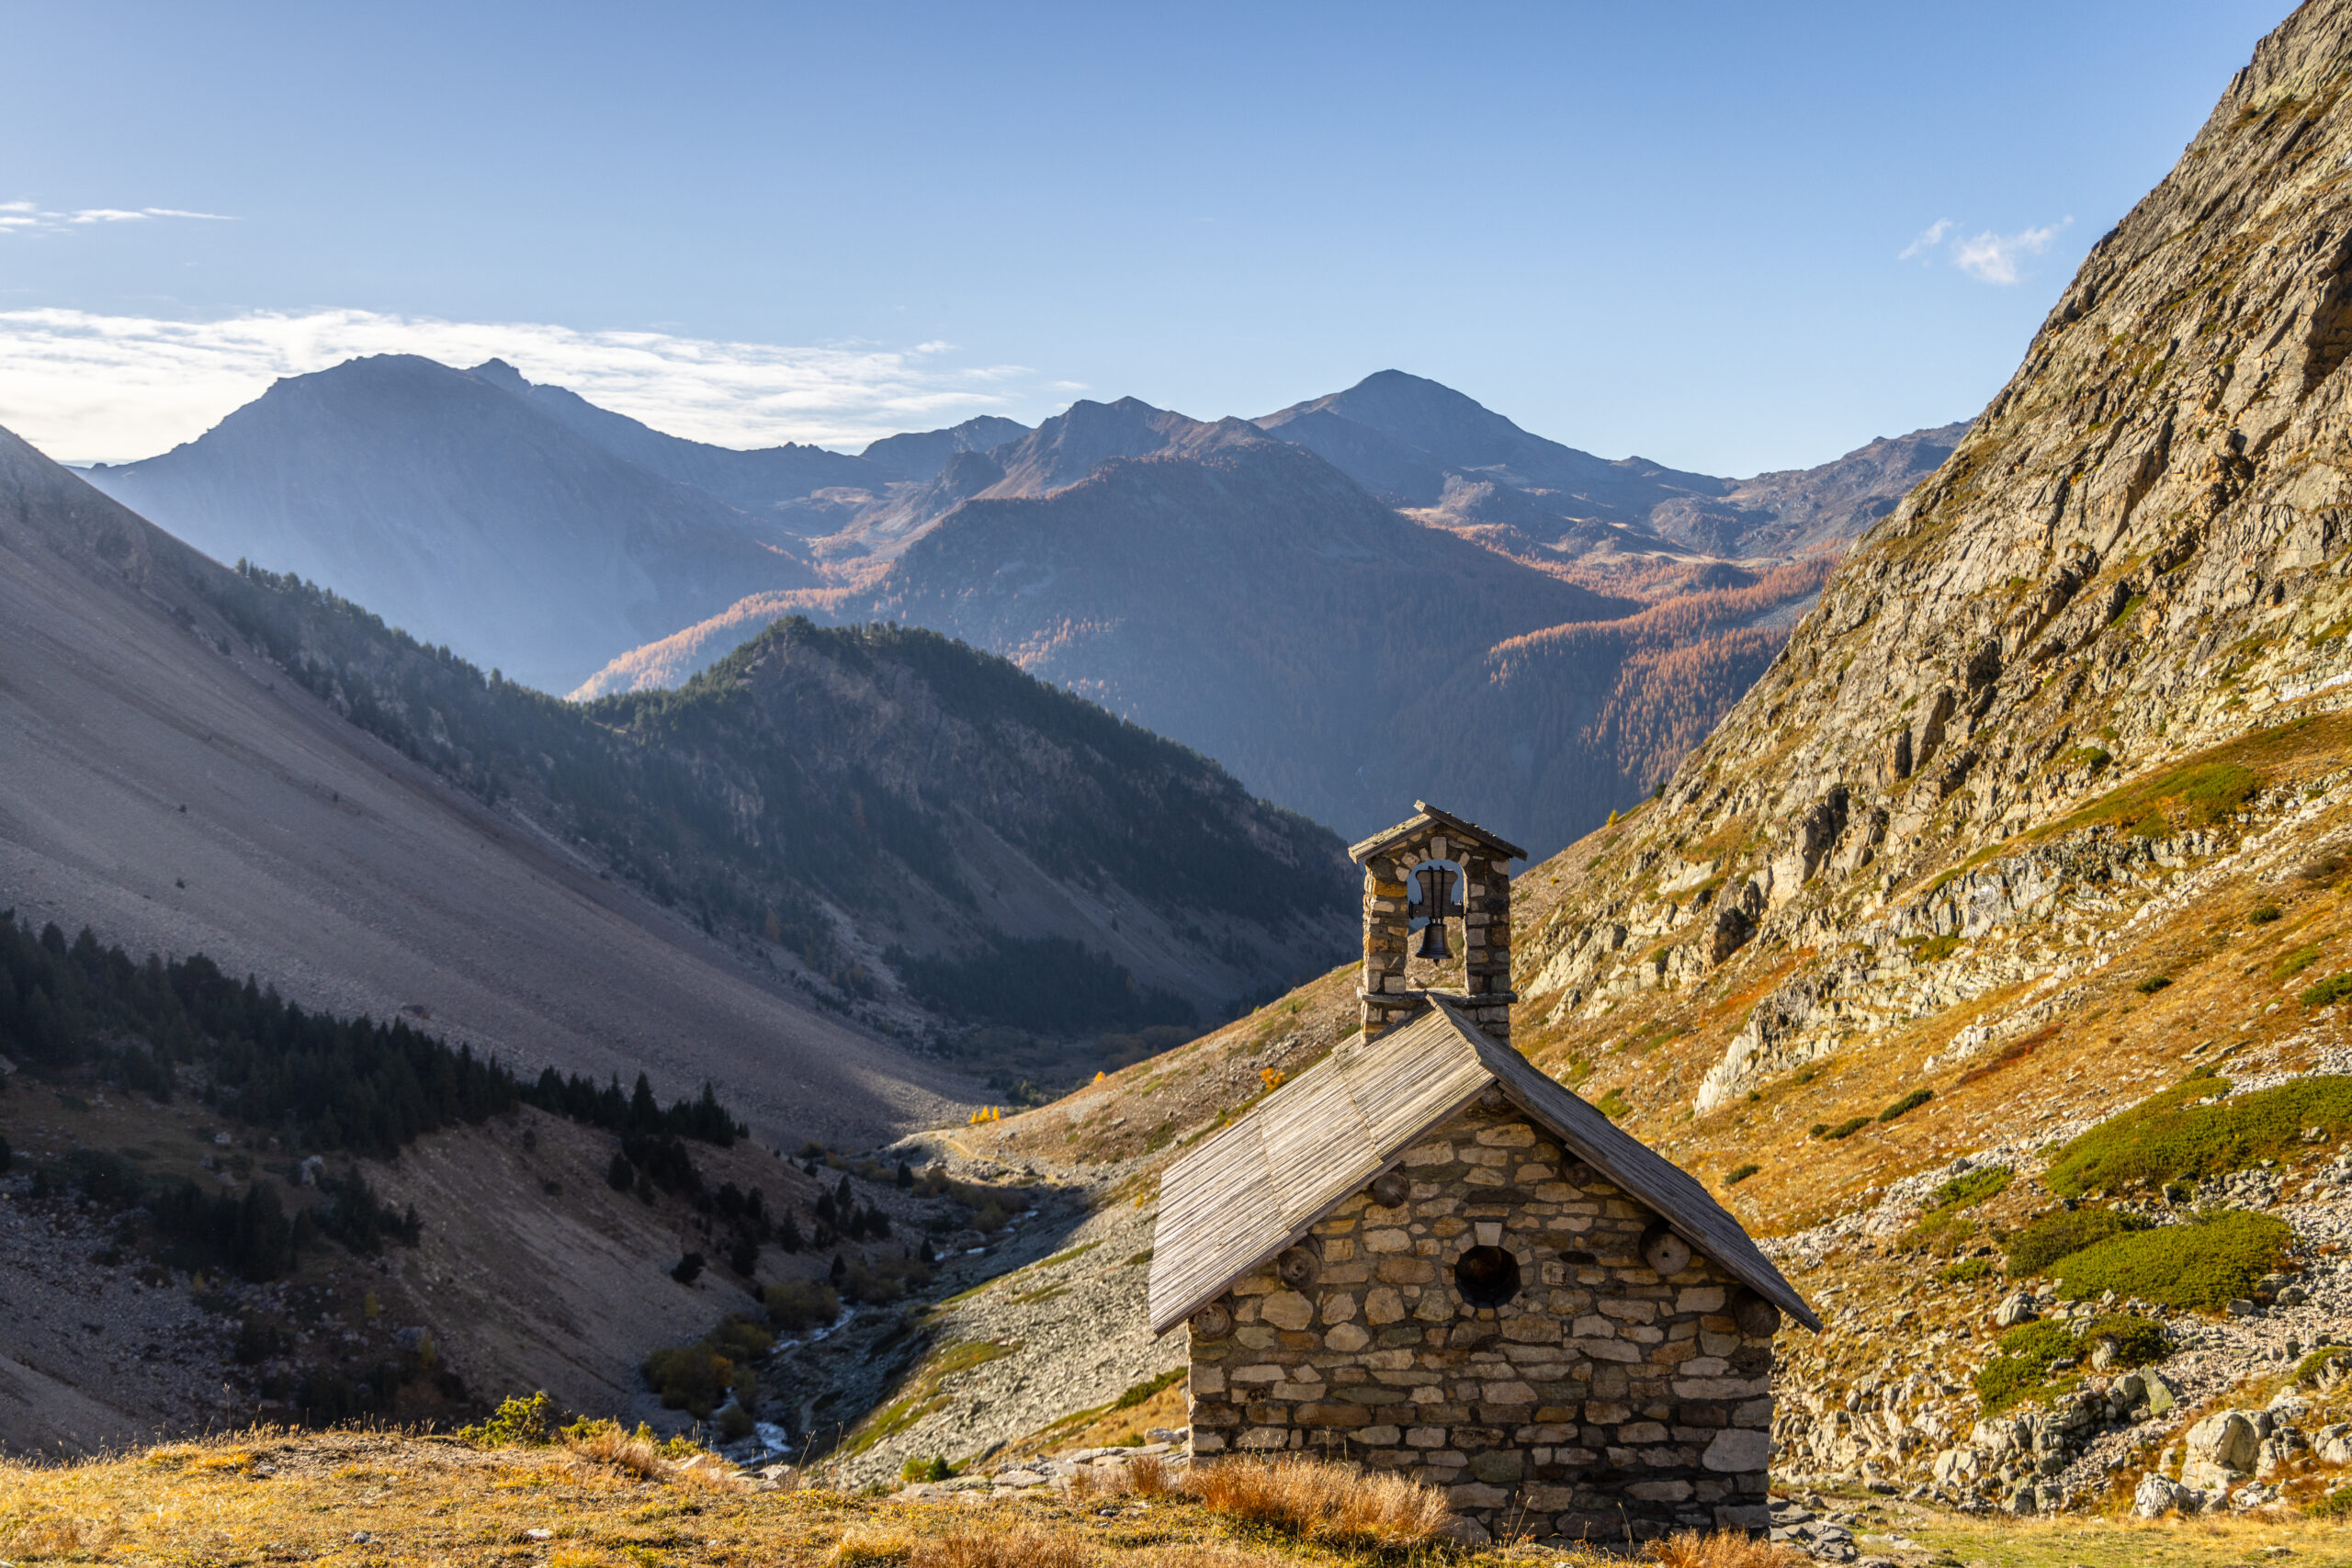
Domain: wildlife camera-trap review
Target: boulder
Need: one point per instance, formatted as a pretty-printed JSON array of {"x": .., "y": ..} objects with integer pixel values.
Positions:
[
  {"x": 2016, "y": 1309},
  {"x": 2158, "y": 1496},
  {"x": 2221, "y": 1450}
]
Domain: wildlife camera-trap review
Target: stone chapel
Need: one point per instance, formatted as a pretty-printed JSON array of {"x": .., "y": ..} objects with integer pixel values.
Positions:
[{"x": 1422, "y": 1254}]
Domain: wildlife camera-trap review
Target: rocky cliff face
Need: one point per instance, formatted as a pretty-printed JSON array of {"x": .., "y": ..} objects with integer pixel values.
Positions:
[{"x": 2045, "y": 802}]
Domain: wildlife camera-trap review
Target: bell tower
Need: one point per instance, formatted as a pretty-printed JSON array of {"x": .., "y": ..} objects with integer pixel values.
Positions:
[{"x": 1426, "y": 880}]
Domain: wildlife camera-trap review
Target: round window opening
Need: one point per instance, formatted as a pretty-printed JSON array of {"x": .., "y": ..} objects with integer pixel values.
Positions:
[{"x": 1486, "y": 1276}]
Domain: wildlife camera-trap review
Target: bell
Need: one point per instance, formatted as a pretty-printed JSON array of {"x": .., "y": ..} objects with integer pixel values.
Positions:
[
  {"x": 1433, "y": 942},
  {"x": 1437, "y": 901}
]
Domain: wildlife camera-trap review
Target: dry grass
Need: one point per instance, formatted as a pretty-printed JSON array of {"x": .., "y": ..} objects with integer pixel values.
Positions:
[
  {"x": 1023, "y": 1547},
  {"x": 271, "y": 1497},
  {"x": 1336, "y": 1504},
  {"x": 1143, "y": 1476},
  {"x": 1721, "y": 1549}
]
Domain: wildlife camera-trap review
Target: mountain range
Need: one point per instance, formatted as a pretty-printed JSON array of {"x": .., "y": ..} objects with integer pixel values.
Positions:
[
  {"x": 1328, "y": 600},
  {"x": 238, "y": 762}
]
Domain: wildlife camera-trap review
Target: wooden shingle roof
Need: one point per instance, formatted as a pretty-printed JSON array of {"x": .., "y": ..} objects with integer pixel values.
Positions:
[
  {"x": 1427, "y": 819},
  {"x": 1256, "y": 1187}
]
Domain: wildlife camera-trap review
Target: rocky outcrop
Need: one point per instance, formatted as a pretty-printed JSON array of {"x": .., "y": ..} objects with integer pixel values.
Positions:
[{"x": 2138, "y": 552}]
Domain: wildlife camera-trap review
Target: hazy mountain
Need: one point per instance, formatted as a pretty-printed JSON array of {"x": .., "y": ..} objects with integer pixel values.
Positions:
[
  {"x": 1231, "y": 587},
  {"x": 754, "y": 481},
  {"x": 920, "y": 455},
  {"x": 1449, "y": 460},
  {"x": 459, "y": 511},
  {"x": 1235, "y": 593}
]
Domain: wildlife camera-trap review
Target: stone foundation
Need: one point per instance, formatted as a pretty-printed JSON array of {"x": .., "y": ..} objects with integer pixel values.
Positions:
[{"x": 1602, "y": 1399}]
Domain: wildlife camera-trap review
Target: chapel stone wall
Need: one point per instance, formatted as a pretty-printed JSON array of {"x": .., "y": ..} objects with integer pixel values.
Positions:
[{"x": 1602, "y": 1398}]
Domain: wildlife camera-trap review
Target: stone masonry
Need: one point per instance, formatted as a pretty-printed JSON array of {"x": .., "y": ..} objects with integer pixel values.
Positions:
[
  {"x": 1603, "y": 1399},
  {"x": 1388, "y": 996}
]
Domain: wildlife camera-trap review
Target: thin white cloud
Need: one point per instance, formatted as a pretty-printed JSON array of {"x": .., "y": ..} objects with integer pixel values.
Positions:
[
  {"x": 1993, "y": 258},
  {"x": 1930, "y": 238},
  {"x": 1989, "y": 257},
  {"x": 27, "y": 215},
  {"x": 85, "y": 387}
]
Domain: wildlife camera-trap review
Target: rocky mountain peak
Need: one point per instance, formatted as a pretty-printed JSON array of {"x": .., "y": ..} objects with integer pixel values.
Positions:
[{"x": 2074, "y": 652}]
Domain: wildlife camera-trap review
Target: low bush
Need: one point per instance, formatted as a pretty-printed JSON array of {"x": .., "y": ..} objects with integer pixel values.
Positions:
[
  {"x": 1907, "y": 1104},
  {"x": 2200, "y": 1266},
  {"x": 2333, "y": 989},
  {"x": 795, "y": 1305},
  {"x": 2022, "y": 1368},
  {"x": 1739, "y": 1173},
  {"x": 2153, "y": 984},
  {"x": 2028, "y": 1359},
  {"x": 2064, "y": 1232},
  {"x": 1968, "y": 1191},
  {"x": 2264, "y": 916},
  {"x": 1845, "y": 1128},
  {"x": 1967, "y": 1268},
  {"x": 931, "y": 1468},
  {"x": 1336, "y": 1504},
  {"x": 2136, "y": 1341},
  {"x": 516, "y": 1423},
  {"x": 697, "y": 1377},
  {"x": 2166, "y": 1139}
]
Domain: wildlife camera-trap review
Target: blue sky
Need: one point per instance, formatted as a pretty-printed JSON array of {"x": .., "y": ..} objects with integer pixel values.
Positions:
[{"x": 1671, "y": 229}]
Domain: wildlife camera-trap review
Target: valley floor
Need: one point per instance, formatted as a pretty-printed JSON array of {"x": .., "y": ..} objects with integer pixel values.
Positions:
[{"x": 384, "y": 1498}]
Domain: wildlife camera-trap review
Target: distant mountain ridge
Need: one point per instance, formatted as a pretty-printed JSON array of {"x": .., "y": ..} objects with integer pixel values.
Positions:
[
  {"x": 821, "y": 798},
  {"x": 1247, "y": 593},
  {"x": 1236, "y": 584}
]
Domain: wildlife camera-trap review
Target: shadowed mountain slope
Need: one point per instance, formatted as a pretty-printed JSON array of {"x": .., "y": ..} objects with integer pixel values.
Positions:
[
  {"x": 163, "y": 780},
  {"x": 819, "y": 797},
  {"x": 460, "y": 511}
]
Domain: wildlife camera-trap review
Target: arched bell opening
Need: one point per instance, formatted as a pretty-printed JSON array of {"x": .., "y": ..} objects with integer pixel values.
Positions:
[{"x": 1433, "y": 915}]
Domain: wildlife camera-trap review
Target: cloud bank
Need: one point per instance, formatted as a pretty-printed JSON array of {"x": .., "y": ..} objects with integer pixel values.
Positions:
[
  {"x": 1987, "y": 257},
  {"x": 93, "y": 388}
]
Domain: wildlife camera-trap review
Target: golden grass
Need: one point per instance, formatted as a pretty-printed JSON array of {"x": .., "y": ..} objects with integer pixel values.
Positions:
[
  {"x": 274, "y": 1496},
  {"x": 1721, "y": 1549},
  {"x": 1316, "y": 1500}
]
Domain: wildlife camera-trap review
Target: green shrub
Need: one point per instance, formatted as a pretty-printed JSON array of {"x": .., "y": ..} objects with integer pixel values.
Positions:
[
  {"x": 698, "y": 1377},
  {"x": 2333, "y": 989},
  {"x": 931, "y": 1468},
  {"x": 2062, "y": 1233},
  {"x": 516, "y": 1423},
  {"x": 1964, "y": 1270},
  {"x": 2153, "y": 984},
  {"x": 2136, "y": 1340},
  {"x": 2164, "y": 1140},
  {"x": 2022, "y": 1367},
  {"x": 2026, "y": 1366},
  {"x": 2337, "y": 1505},
  {"x": 797, "y": 1304},
  {"x": 1977, "y": 1187},
  {"x": 1909, "y": 1103},
  {"x": 2295, "y": 960},
  {"x": 2310, "y": 1366},
  {"x": 735, "y": 1424},
  {"x": 1845, "y": 1129},
  {"x": 1946, "y": 1222},
  {"x": 1739, "y": 1173},
  {"x": 2199, "y": 1266},
  {"x": 2264, "y": 916}
]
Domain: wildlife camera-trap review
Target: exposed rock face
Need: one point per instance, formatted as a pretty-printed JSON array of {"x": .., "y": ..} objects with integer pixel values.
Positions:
[{"x": 2137, "y": 552}]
